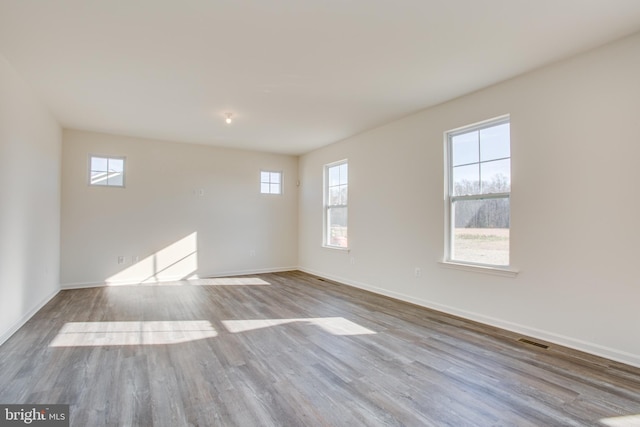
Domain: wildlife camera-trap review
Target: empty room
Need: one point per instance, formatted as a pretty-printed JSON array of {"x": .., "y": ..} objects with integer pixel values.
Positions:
[{"x": 319, "y": 213}]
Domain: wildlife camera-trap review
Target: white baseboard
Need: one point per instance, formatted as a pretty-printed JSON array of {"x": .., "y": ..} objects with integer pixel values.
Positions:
[
  {"x": 587, "y": 347},
  {"x": 83, "y": 285},
  {"x": 5, "y": 335},
  {"x": 246, "y": 272}
]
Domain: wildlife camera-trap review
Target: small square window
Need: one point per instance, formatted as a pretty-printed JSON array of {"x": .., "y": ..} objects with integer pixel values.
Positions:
[
  {"x": 106, "y": 171},
  {"x": 270, "y": 182}
]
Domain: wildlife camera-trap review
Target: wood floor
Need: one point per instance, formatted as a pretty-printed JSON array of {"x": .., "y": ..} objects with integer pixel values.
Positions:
[{"x": 290, "y": 349}]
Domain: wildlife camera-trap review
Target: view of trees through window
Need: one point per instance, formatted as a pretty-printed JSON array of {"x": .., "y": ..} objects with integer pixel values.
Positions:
[
  {"x": 336, "y": 187},
  {"x": 484, "y": 213},
  {"x": 479, "y": 191}
]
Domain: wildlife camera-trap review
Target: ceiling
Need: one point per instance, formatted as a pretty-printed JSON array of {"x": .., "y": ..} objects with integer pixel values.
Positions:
[{"x": 296, "y": 74}]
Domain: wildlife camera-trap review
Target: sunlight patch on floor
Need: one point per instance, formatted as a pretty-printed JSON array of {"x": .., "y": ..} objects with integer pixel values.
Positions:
[
  {"x": 332, "y": 325},
  {"x": 81, "y": 334},
  {"x": 625, "y": 421}
]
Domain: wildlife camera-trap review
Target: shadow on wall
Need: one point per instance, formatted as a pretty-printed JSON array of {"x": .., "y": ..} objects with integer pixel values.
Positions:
[{"x": 178, "y": 261}]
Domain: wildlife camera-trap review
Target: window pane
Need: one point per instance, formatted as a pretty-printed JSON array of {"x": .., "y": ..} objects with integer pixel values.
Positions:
[
  {"x": 481, "y": 231},
  {"x": 334, "y": 176},
  {"x": 116, "y": 165},
  {"x": 338, "y": 195},
  {"x": 334, "y": 196},
  {"x": 98, "y": 164},
  {"x": 466, "y": 180},
  {"x": 264, "y": 176},
  {"x": 344, "y": 173},
  {"x": 464, "y": 148},
  {"x": 275, "y": 189},
  {"x": 106, "y": 171},
  {"x": 344, "y": 192},
  {"x": 496, "y": 176},
  {"x": 275, "y": 177},
  {"x": 337, "y": 227},
  {"x": 98, "y": 178},
  {"x": 115, "y": 179},
  {"x": 264, "y": 187},
  {"x": 494, "y": 142}
]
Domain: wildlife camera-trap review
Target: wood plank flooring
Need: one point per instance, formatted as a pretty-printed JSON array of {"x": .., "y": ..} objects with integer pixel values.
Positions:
[{"x": 298, "y": 351}]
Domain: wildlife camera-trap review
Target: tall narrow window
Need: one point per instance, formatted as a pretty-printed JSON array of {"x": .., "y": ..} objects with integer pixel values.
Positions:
[
  {"x": 336, "y": 183},
  {"x": 270, "y": 182},
  {"x": 479, "y": 188},
  {"x": 106, "y": 171}
]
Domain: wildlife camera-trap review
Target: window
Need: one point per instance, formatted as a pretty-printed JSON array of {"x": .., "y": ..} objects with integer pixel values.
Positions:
[
  {"x": 270, "y": 182},
  {"x": 336, "y": 182},
  {"x": 479, "y": 188},
  {"x": 106, "y": 171}
]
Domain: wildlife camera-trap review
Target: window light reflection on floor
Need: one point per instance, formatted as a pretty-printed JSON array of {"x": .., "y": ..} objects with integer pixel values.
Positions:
[
  {"x": 625, "y": 421},
  {"x": 80, "y": 334},
  {"x": 92, "y": 334},
  {"x": 332, "y": 325}
]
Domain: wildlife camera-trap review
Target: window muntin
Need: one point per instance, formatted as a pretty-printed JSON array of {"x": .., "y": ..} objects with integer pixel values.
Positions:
[
  {"x": 479, "y": 190},
  {"x": 106, "y": 171},
  {"x": 270, "y": 182},
  {"x": 336, "y": 178}
]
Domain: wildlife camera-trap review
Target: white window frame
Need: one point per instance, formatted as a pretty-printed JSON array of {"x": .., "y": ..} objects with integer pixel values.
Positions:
[
  {"x": 450, "y": 199},
  {"x": 270, "y": 183},
  {"x": 108, "y": 158},
  {"x": 326, "y": 242}
]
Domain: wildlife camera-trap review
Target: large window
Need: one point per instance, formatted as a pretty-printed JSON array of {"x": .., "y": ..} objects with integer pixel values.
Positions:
[
  {"x": 106, "y": 171},
  {"x": 336, "y": 183},
  {"x": 479, "y": 188}
]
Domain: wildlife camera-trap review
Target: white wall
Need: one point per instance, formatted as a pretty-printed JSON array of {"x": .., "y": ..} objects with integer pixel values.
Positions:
[
  {"x": 575, "y": 207},
  {"x": 161, "y": 218},
  {"x": 30, "y": 141}
]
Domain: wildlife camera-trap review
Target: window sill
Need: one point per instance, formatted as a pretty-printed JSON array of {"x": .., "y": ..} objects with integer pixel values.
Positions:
[
  {"x": 337, "y": 248},
  {"x": 497, "y": 271}
]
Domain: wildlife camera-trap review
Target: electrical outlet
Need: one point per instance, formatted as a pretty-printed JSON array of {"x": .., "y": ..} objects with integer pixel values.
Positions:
[
  {"x": 252, "y": 252},
  {"x": 417, "y": 272},
  {"x": 120, "y": 259}
]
